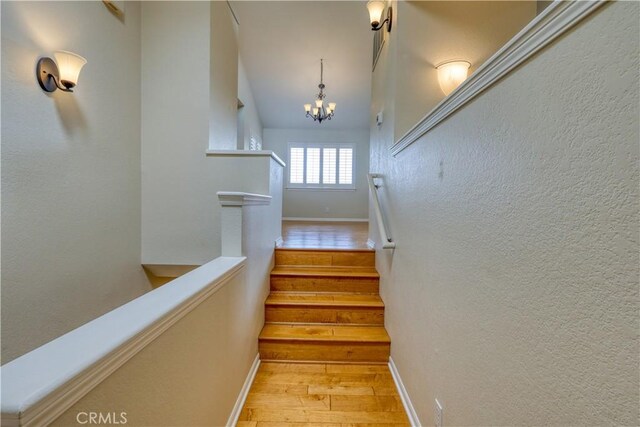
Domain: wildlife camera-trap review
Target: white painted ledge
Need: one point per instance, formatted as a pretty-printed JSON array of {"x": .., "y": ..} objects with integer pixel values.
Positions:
[
  {"x": 40, "y": 385},
  {"x": 169, "y": 270},
  {"x": 231, "y": 218},
  {"x": 247, "y": 153},
  {"x": 555, "y": 20},
  {"x": 236, "y": 198}
]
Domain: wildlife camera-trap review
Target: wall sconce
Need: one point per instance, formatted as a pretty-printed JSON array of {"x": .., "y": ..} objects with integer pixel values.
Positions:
[
  {"x": 451, "y": 74},
  {"x": 376, "y": 7},
  {"x": 63, "y": 75}
]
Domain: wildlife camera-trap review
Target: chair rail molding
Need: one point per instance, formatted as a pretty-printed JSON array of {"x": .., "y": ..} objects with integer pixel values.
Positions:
[{"x": 551, "y": 23}]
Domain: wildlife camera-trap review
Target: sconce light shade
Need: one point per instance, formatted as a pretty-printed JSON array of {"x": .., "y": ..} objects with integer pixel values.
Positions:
[
  {"x": 451, "y": 74},
  {"x": 307, "y": 107},
  {"x": 376, "y": 7},
  {"x": 69, "y": 66},
  {"x": 62, "y": 75}
]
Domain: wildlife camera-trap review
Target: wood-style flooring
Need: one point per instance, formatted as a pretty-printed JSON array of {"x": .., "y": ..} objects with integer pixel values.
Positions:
[
  {"x": 290, "y": 394},
  {"x": 325, "y": 313},
  {"x": 325, "y": 235}
]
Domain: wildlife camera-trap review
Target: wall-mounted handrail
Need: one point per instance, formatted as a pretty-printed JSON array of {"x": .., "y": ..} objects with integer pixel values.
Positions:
[{"x": 387, "y": 241}]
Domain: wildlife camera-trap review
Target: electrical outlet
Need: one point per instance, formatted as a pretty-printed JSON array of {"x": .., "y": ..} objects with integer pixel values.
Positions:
[{"x": 438, "y": 414}]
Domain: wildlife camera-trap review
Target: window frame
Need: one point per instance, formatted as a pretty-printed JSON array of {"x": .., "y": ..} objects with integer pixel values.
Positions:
[{"x": 321, "y": 146}]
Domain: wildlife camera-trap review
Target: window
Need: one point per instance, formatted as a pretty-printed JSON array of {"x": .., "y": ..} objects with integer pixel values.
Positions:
[{"x": 324, "y": 166}]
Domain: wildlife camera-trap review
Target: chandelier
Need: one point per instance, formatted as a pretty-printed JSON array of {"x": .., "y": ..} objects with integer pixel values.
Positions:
[{"x": 320, "y": 112}]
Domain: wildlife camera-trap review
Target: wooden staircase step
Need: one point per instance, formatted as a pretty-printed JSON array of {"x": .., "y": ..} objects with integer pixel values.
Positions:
[
  {"x": 325, "y": 279},
  {"x": 323, "y": 299},
  {"x": 325, "y": 257},
  {"x": 335, "y": 343},
  {"x": 327, "y": 271},
  {"x": 364, "y": 309},
  {"x": 307, "y": 332}
]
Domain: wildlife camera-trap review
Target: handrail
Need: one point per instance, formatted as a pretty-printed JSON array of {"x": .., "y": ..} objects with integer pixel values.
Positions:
[{"x": 387, "y": 242}]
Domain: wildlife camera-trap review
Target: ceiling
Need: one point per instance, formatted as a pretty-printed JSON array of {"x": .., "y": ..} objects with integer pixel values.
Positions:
[{"x": 281, "y": 43}]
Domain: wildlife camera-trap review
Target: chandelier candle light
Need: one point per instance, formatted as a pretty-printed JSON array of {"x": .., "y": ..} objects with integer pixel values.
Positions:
[{"x": 321, "y": 111}]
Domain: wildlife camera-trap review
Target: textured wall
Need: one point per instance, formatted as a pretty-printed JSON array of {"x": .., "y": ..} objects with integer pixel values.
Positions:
[
  {"x": 318, "y": 203},
  {"x": 512, "y": 296},
  {"x": 70, "y": 171},
  {"x": 178, "y": 226},
  {"x": 432, "y": 32}
]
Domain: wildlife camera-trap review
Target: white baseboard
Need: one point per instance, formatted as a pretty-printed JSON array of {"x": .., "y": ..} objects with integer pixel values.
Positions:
[
  {"x": 289, "y": 218},
  {"x": 404, "y": 396},
  {"x": 244, "y": 392}
]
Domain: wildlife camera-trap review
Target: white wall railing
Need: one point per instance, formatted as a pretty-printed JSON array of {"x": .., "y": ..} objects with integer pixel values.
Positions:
[{"x": 387, "y": 241}]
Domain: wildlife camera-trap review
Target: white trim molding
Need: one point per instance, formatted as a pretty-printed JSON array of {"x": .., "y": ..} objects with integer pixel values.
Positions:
[
  {"x": 555, "y": 20},
  {"x": 233, "y": 203},
  {"x": 41, "y": 385},
  {"x": 279, "y": 242},
  {"x": 248, "y": 153},
  {"x": 295, "y": 218},
  {"x": 244, "y": 392},
  {"x": 404, "y": 396},
  {"x": 235, "y": 198}
]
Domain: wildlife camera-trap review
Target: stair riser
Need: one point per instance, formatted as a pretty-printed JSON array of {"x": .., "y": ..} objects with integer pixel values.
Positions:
[
  {"x": 325, "y": 284},
  {"x": 351, "y": 315},
  {"x": 325, "y": 258},
  {"x": 326, "y": 352}
]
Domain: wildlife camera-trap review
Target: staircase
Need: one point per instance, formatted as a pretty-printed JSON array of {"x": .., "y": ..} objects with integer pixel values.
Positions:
[{"x": 324, "y": 306}]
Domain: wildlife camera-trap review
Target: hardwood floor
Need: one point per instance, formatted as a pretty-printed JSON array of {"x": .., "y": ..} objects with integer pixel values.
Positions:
[
  {"x": 325, "y": 235},
  {"x": 289, "y": 394},
  {"x": 324, "y": 312}
]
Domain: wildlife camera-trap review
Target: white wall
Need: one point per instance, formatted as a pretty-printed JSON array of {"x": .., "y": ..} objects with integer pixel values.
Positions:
[
  {"x": 432, "y": 32},
  {"x": 178, "y": 226},
  {"x": 180, "y": 212},
  {"x": 512, "y": 295},
  {"x": 322, "y": 203},
  {"x": 70, "y": 171},
  {"x": 252, "y": 125},
  {"x": 223, "y": 108}
]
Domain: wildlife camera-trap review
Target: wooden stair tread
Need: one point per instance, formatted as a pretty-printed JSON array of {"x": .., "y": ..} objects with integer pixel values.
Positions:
[
  {"x": 328, "y": 333},
  {"x": 345, "y": 250},
  {"x": 329, "y": 271},
  {"x": 323, "y": 299}
]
